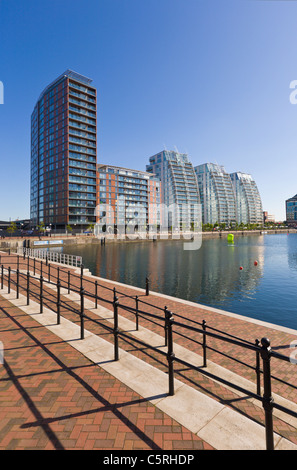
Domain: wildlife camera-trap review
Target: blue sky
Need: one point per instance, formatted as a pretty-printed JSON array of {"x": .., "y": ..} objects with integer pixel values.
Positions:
[{"x": 207, "y": 77}]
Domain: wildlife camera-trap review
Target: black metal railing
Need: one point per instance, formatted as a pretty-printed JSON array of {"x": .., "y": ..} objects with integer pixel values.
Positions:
[{"x": 22, "y": 278}]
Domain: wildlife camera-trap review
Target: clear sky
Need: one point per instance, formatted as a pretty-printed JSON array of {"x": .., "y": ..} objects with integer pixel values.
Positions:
[{"x": 207, "y": 77}]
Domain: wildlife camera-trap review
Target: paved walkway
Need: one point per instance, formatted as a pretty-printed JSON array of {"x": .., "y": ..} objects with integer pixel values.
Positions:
[
  {"x": 245, "y": 328},
  {"x": 53, "y": 397}
]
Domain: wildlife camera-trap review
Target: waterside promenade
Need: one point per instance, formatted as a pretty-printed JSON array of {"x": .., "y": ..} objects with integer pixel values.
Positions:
[{"x": 62, "y": 389}]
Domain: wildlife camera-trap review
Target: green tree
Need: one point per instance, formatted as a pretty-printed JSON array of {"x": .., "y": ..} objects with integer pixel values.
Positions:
[{"x": 41, "y": 227}]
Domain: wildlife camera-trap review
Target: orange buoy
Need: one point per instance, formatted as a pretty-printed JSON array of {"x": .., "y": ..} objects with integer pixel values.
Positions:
[
  {"x": 256, "y": 263},
  {"x": 241, "y": 268}
]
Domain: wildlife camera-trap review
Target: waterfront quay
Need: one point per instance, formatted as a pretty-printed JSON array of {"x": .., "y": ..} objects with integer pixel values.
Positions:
[
  {"x": 90, "y": 363},
  {"x": 55, "y": 239}
]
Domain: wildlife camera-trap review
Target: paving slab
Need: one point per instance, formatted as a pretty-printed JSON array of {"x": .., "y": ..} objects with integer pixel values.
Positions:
[{"x": 213, "y": 422}]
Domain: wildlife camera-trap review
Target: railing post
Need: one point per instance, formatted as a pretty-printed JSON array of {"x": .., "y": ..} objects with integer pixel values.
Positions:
[
  {"x": 116, "y": 328},
  {"x": 81, "y": 276},
  {"x": 136, "y": 313},
  {"x": 41, "y": 294},
  {"x": 82, "y": 332},
  {"x": 204, "y": 344},
  {"x": 258, "y": 369},
  {"x": 58, "y": 273},
  {"x": 58, "y": 302},
  {"x": 49, "y": 273},
  {"x": 28, "y": 288},
  {"x": 41, "y": 266},
  {"x": 166, "y": 326},
  {"x": 267, "y": 396},
  {"x": 2, "y": 276},
  {"x": 34, "y": 266},
  {"x": 96, "y": 294},
  {"x": 9, "y": 276},
  {"x": 68, "y": 282},
  {"x": 18, "y": 283},
  {"x": 147, "y": 286},
  {"x": 170, "y": 353}
]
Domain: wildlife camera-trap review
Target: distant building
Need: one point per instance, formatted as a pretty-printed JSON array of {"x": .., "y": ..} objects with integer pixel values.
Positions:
[
  {"x": 24, "y": 224},
  {"x": 248, "y": 201},
  {"x": 291, "y": 210},
  {"x": 180, "y": 194},
  {"x": 63, "y": 153},
  {"x": 268, "y": 217},
  {"x": 127, "y": 197},
  {"x": 217, "y": 194}
]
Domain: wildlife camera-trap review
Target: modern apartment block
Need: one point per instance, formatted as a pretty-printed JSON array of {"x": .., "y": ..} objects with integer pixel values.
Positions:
[
  {"x": 126, "y": 198},
  {"x": 291, "y": 210},
  {"x": 180, "y": 195},
  {"x": 268, "y": 217},
  {"x": 248, "y": 199},
  {"x": 63, "y": 154},
  {"x": 217, "y": 194}
]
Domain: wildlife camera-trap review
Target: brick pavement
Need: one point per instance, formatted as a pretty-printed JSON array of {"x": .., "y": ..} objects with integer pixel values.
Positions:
[
  {"x": 248, "y": 330},
  {"x": 52, "y": 397}
]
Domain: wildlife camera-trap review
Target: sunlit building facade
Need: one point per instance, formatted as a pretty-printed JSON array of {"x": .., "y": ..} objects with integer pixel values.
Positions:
[
  {"x": 179, "y": 189},
  {"x": 217, "y": 194},
  {"x": 127, "y": 199},
  {"x": 291, "y": 210},
  {"x": 248, "y": 200},
  {"x": 63, "y": 154}
]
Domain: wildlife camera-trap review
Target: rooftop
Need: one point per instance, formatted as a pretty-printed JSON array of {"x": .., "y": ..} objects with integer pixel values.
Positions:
[{"x": 70, "y": 74}]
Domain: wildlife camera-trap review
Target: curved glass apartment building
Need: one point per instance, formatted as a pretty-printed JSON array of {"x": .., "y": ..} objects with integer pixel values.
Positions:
[
  {"x": 217, "y": 194},
  {"x": 248, "y": 200},
  {"x": 179, "y": 189},
  {"x": 64, "y": 154}
]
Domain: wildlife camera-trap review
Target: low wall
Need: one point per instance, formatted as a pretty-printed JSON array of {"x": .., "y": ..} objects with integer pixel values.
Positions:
[{"x": 46, "y": 242}]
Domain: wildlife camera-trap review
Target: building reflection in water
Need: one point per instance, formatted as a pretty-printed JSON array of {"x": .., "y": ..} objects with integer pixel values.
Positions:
[{"x": 210, "y": 275}]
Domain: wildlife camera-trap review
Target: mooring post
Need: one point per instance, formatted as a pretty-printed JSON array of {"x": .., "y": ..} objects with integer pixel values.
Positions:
[{"x": 147, "y": 286}]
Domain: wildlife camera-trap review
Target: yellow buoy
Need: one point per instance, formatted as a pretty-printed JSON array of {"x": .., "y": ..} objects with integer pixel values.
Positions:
[{"x": 230, "y": 237}]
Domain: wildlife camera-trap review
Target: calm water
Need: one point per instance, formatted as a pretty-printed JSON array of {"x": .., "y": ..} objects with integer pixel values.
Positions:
[{"x": 210, "y": 275}]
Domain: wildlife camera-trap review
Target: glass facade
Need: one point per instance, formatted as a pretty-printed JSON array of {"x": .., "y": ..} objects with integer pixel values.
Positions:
[
  {"x": 291, "y": 210},
  {"x": 179, "y": 188},
  {"x": 248, "y": 201},
  {"x": 64, "y": 153},
  {"x": 217, "y": 194},
  {"x": 127, "y": 197}
]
